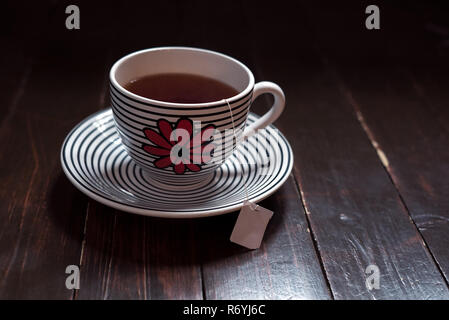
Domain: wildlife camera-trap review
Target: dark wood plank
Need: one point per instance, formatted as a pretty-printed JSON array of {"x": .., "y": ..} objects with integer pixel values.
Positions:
[
  {"x": 356, "y": 215},
  {"x": 127, "y": 256},
  {"x": 400, "y": 99},
  {"x": 284, "y": 267},
  {"x": 16, "y": 69},
  {"x": 42, "y": 215},
  {"x": 429, "y": 85},
  {"x": 415, "y": 147},
  {"x": 19, "y": 46}
]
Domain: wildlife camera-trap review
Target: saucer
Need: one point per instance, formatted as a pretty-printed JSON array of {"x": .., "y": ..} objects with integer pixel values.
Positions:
[{"x": 95, "y": 161}]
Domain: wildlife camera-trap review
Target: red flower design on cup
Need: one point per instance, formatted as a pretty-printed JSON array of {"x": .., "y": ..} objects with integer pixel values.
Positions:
[{"x": 178, "y": 146}]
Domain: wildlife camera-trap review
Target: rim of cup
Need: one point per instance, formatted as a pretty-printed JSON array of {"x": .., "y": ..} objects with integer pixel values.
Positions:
[{"x": 238, "y": 96}]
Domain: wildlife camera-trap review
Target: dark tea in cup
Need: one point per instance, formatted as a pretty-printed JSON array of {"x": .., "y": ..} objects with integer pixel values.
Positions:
[{"x": 180, "y": 88}]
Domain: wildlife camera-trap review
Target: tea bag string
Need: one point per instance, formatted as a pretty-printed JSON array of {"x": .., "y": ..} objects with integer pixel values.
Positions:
[{"x": 245, "y": 183}]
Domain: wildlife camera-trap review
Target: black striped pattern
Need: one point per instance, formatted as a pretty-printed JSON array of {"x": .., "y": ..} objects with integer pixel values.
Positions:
[
  {"x": 95, "y": 160},
  {"x": 131, "y": 116}
]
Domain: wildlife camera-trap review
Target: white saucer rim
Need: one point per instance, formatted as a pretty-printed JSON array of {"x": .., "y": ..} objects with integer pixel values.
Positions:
[{"x": 167, "y": 214}]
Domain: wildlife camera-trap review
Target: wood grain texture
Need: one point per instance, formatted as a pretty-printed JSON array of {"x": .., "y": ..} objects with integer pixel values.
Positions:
[
  {"x": 355, "y": 212},
  {"x": 414, "y": 146},
  {"x": 400, "y": 100},
  {"x": 126, "y": 256},
  {"x": 19, "y": 46},
  {"x": 285, "y": 267},
  {"x": 42, "y": 214},
  {"x": 366, "y": 116}
]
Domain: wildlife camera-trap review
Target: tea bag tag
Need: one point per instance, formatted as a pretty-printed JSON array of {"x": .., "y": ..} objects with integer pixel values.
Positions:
[{"x": 250, "y": 225}]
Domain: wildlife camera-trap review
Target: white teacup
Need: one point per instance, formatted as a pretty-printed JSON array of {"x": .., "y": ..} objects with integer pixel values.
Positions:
[{"x": 151, "y": 130}]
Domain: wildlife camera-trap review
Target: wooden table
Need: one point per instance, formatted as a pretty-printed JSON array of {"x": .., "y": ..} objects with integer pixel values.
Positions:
[{"x": 367, "y": 116}]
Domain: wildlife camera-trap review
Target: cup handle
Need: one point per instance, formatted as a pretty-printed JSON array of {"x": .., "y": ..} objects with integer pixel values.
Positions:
[{"x": 273, "y": 113}]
